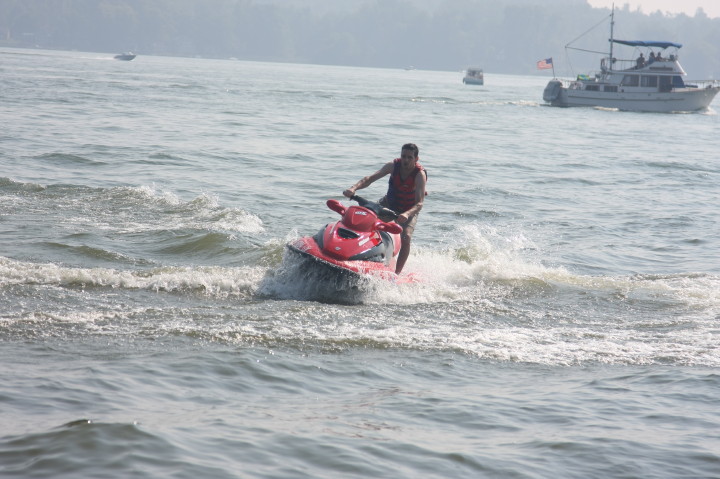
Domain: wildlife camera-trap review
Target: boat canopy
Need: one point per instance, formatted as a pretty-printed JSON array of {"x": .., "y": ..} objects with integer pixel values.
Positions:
[{"x": 642, "y": 43}]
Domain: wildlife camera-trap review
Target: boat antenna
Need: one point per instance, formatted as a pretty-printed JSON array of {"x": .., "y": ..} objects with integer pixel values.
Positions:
[
  {"x": 612, "y": 26},
  {"x": 604, "y": 19},
  {"x": 568, "y": 47}
]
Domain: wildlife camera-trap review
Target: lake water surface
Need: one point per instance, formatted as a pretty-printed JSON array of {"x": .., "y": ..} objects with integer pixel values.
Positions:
[{"x": 151, "y": 325}]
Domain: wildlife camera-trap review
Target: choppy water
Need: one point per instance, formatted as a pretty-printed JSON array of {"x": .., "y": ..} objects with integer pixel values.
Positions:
[{"x": 151, "y": 326}]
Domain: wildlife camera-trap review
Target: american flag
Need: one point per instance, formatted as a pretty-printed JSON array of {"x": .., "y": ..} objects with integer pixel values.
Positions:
[{"x": 545, "y": 64}]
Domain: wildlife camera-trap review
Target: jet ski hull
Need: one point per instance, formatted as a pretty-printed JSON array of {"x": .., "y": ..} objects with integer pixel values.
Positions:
[{"x": 344, "y": 274}]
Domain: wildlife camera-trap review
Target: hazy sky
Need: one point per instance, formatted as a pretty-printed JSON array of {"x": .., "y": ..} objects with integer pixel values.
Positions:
[{"x": 711, "y": 7}]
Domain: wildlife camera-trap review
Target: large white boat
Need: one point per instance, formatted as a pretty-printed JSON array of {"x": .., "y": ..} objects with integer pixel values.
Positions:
[
  {"x": 474, "y": 76},
  {"x": 653, "y": 82}
]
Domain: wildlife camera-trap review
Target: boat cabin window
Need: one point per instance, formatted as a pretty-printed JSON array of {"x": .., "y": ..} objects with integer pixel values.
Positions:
[
  {"x": 665, "y": 84},
  {"x": 592, "y": 87},
  {"x": 678, "y": 82},
  {"x": 611, "y": 88},
  {"x": 649, "y": 81},
  {"x": 630, "y": 80}
]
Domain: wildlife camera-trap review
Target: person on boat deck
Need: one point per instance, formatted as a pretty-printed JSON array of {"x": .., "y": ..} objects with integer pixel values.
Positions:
[
  {"x": 405, "y": 194},
  {"x": 658, "y": 57},
  {"x": 652, "y": 58},
  {"x": 640, "y": 61}
]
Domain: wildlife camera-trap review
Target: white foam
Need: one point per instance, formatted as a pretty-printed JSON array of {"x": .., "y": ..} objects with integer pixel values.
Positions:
[
  {"x": 202, "y": 212},
  {"x": 210, "y": 280},
  {"x": 481, "y": 263}
]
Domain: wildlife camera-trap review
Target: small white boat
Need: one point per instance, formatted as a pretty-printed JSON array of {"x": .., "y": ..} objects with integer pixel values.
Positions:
[
  {"x": 474, "y": 76},
  {"x": 652, "y": 83}
]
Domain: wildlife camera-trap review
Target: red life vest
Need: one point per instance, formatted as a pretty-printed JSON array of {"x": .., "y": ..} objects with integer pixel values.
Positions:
[{"x": 401, "y": 193}]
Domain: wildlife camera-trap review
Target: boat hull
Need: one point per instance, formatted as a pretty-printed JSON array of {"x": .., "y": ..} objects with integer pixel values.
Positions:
[
  {"x": 473, "y": 81},
  {"x": 687, "y": 99}
]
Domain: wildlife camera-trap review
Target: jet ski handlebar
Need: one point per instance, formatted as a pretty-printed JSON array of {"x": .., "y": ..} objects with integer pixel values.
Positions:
[{"x": 379, "y": 209}]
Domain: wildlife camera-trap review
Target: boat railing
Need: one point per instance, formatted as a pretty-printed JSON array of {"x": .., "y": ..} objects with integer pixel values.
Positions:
[
  {"x": 617, "y": 64},
  {"x": 573, "y": 83},
  {"x": 623, "y": 65},
  {"x": 702, "y": 84}
]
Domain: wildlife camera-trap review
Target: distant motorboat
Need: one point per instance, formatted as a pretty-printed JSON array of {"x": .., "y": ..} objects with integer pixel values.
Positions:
[
  {"x": 127, "y": 56},
  {"x": 649, "y": 84},
  {"x": 474, "y": 76}
]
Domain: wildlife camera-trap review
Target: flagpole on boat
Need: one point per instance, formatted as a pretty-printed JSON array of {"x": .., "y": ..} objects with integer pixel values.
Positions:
[{"x": 612, "y": 26}]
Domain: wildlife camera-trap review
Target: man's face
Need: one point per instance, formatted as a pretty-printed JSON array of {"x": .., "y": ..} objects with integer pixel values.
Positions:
[{"x": 408, "y": 159}]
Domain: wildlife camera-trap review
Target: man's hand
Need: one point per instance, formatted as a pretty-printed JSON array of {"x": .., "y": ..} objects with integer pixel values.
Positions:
[{"x": 349, "y": 192}]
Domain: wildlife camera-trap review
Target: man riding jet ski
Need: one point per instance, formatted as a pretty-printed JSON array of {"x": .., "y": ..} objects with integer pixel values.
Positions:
[{"x": 405, "y": 194}]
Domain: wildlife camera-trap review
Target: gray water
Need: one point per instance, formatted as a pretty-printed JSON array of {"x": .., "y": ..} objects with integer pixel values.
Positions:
[{"x": 151, "y": 325}]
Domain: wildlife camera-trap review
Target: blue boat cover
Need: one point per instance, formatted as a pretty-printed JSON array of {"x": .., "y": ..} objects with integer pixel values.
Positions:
[{"x": 642, "y": 43}]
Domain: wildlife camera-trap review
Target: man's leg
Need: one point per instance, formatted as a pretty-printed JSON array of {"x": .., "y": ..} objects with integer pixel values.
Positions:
[
  {"x": 406, "y": 238},
  {"x": 403, "y": 254}
]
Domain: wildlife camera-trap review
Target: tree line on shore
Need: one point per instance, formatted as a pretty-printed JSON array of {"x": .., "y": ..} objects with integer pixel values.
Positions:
[{"x": 506, "y": 36}]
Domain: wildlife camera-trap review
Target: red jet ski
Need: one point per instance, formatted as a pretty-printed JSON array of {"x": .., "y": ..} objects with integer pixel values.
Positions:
[{"x": 361, "y": 244}]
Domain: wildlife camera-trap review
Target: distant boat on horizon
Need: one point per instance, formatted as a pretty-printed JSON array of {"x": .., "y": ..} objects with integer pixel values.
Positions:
[
  {"x": 127, "y": 56},
  {"x": 474, "y": 76}
]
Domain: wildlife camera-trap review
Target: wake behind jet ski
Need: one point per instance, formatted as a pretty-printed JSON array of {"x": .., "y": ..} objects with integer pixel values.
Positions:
[{"x": 361, "y": 244}]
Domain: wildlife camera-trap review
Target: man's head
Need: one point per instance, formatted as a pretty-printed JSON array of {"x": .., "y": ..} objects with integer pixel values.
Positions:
[
  {"x": 410, "y": 148},
  {"x": 409, "y": 156}
]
